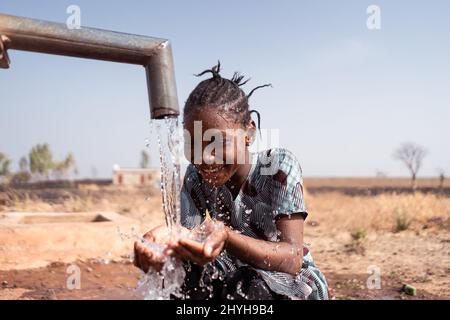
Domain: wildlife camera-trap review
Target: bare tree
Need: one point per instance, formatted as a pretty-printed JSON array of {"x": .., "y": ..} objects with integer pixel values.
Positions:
[
  {"x": 441, "y": 174},
  {"x": 94, "y": 172},
  {"x": 411, "y": 155}
]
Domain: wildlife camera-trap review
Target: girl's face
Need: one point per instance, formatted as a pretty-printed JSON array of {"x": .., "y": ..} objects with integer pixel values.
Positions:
[{"x": 215, "y": 144}]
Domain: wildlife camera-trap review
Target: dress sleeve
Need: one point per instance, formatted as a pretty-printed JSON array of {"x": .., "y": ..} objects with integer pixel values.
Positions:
[{"x": 287, "y": 185}]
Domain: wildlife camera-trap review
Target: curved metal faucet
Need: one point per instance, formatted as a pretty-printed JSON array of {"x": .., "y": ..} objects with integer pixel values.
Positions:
[{"x": 154, "y": 54}]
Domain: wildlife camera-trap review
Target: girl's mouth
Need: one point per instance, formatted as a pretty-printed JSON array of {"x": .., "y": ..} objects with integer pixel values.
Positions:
[{"x": 212, "y": 170}]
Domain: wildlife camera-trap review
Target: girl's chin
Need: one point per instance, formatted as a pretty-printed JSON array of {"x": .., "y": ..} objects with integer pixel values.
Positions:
[{"x": 215, "y": 180}]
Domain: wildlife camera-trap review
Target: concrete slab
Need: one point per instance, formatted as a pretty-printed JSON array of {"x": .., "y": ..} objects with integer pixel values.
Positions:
[{"x": 35, "y": 239}]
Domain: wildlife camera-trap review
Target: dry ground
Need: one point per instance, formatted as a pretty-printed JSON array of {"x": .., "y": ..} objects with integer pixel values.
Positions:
[{"x": 404, "y": 235}]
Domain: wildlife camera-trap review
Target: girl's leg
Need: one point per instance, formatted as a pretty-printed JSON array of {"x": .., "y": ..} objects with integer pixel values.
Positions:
[
  {"x": 198, "y": 284},
  {"x": 246, "y": 284}
]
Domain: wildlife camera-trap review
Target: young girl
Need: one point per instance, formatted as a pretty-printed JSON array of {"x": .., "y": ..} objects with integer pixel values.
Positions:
[{"x": 259, "y": 251}]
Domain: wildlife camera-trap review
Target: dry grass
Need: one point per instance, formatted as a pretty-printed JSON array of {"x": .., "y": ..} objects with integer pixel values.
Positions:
[
  {"x": 337, "y": 211},
  {"x": 352, "y": 182},
  {"x": 384, "y": 212},
  {"x": 145, "y": 206}
]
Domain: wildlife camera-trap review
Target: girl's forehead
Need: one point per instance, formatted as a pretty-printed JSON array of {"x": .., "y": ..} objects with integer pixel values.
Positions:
[{"x": 210, "y": 118}]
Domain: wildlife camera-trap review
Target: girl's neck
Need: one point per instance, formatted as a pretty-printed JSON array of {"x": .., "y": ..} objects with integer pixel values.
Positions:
[{"x": 239, "y": 177}]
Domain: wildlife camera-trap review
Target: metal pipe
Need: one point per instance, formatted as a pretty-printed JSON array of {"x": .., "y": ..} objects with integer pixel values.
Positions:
[{"x": 154, "y": 54}]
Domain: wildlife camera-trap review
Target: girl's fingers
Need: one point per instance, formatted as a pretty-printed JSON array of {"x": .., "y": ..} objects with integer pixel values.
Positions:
[
  {"x": 208, "y": 250},
  {"x": 5, "y": 39},
  {"x": 183, "y": 254},
  {"x": 168, "y": 251},
  {"x": 192, "y": 245},
  {"x": 144, "y": 257},
  {"x": 149, "y": 236},
  {"x": 217, "y": 251},
  {"x": 148, "y": 254},
  {"x": 213, "y": 244},
  {"x": 188, "y": 255},
  {"x": 177, "y": 255},
  {"x": 137, "y": 254}
]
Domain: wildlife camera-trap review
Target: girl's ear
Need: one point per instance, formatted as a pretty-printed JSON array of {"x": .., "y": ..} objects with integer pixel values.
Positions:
[{"x": 251, "y": 133}]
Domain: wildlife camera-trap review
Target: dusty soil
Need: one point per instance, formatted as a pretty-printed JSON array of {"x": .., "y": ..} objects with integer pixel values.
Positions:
[
  {"x": 402, "y": 258},
  {"x": 118, "y": 280},
  {"x": 115, "y": 280},
  {"x": 349, "y": 236}
]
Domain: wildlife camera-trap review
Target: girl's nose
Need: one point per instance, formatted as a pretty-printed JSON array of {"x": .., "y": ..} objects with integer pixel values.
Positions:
[{"x": 209, "y": 157}]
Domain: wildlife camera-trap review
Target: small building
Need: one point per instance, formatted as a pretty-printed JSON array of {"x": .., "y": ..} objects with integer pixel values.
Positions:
[{"x": 134, "y": 176}]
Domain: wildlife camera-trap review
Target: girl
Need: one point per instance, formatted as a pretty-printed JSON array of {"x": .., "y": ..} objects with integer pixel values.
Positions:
[{"x": 257, "y": 197}]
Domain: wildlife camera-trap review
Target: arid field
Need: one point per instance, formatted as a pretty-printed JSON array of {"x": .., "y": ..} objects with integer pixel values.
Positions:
[{"x": 357, "y": 229}]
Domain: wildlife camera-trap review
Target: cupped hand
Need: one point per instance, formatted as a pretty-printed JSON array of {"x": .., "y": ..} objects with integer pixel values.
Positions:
[
  {"x": 145, "y": 257},
  {"x": 198, "y": 252}
]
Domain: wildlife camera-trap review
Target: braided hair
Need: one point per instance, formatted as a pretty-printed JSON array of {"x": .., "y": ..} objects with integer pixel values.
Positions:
[{"x": 223, "y": 94}]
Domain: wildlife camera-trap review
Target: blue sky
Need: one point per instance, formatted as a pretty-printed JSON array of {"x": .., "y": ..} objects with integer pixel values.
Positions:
[{"x": 343, "y": 97}]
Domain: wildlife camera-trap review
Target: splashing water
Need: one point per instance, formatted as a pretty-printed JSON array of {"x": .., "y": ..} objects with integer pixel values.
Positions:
[
  {"x": 158, "y": 285},
  {"x": 167, "y": 282},
  {"x": 169, "y": 144}
]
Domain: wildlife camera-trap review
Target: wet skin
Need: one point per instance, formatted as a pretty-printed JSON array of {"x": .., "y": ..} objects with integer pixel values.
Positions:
[{"x": 284, "y": 256}]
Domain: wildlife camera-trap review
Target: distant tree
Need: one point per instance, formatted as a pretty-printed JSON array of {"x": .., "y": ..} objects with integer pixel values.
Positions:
[
  {"x": 41, "y": 160},
  {"x": 412, "y": 156},
  {"x": 42, "y": 164},
  {"x": 145, "y": 159},
  {"x": 61, "y": 169},
  {"x": 23, "y": 164},
  {"x": 23, "y": 176},
  {"x": 5, "y": 163}
]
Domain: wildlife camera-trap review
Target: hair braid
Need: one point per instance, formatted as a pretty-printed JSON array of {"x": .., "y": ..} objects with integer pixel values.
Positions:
[{"x": 223, "y": 94}]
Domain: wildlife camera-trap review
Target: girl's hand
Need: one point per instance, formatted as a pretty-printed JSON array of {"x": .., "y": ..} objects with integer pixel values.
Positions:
[
  {"x": 201, "y": 253},
  {"x": 144, "y": 257}
]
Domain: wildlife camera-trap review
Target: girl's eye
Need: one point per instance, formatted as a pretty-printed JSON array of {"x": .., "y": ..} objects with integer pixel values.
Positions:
[{"x": 227, "y": 141}]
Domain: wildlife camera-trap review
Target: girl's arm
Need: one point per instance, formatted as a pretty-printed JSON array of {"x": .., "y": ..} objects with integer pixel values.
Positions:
[{"x": 284, "y": 256}]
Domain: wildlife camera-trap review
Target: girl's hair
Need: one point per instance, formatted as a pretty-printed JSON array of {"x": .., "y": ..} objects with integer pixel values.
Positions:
[{"x": 223, "y": 94}]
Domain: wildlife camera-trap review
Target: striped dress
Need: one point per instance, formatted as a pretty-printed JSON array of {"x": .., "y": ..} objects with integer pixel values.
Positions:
[{"x": 273, "y": 188}]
